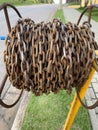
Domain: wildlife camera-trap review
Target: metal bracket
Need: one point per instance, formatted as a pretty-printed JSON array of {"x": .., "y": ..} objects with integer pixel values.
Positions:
[
  {"x": 75, "y": 105},
  {"x": 90, "y": 8},
  {"x": 4, "y": 7}
]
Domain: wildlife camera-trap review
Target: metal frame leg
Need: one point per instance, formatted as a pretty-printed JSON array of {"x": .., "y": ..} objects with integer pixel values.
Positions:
[{"x": 75, "y": 105}]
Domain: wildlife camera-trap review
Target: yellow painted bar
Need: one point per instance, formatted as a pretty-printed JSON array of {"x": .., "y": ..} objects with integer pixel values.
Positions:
[{"x": 76, "y": 103}]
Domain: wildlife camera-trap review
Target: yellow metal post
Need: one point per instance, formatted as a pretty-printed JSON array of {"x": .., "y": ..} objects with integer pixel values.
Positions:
[{"x": 76, "y": 103}]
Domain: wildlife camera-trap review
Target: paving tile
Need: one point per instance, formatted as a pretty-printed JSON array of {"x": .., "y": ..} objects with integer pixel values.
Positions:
[
  {"x": 93, "y": 117},
  {"x": 94, "y": 100},
  {"x": 96, "y": 110},
  {"x": 95, "y": 86},
  {"x": 87, "y": 95},
  {"x": 95, "y": 76},
  {"x": 97, "y": 95},
  {"x": 97, "y": 79},
  {"x": 94, "y": 80},
  {"x": 97, "y": 116},
  {"x": 7, "y": 116},
  {"x": 92, "y": 94}
]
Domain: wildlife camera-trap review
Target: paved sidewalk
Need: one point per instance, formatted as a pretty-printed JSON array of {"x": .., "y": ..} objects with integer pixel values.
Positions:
[{"x": 92, "y": 93}]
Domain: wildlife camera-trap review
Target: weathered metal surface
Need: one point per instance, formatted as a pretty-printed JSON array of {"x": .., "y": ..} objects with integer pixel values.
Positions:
[
  {"x": 10, "y": 93},
  {"x": 4, "y": 7},
  {"x": 75, "y": 105},
  {"x": 89, "y": 9},
  {"x": 50, "y": 56}
]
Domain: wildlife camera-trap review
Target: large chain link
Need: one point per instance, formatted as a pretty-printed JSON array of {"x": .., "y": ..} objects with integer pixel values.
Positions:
[{"x": 50, "y": 56}]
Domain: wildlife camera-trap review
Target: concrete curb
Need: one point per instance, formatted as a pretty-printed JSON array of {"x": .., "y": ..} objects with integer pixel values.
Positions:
[{"x": 21, "y": 112}]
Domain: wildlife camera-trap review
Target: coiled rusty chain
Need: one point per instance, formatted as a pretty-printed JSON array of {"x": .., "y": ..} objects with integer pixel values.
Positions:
[{"x": 49, "y": 56}]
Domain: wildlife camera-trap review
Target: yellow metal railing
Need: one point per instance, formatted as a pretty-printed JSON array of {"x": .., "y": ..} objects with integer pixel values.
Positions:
[{"x": 76, "y": 103}]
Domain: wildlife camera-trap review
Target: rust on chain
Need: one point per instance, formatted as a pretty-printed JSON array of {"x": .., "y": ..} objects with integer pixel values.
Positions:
[
  {"x": 4, "y": 7},
  {"x": 50, "y": 56},
  {"x": 47, "y": 57}
]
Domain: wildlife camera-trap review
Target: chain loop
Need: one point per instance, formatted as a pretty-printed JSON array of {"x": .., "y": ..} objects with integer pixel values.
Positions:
[{"x": 50, "y": 56}]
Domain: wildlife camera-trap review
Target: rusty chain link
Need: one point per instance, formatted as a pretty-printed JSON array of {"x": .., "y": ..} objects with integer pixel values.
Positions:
[{"x": 49, "y": 56}]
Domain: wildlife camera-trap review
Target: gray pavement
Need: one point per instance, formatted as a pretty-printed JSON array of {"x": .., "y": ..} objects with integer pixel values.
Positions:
[
  {"x": 92, "y": 92},
  {"x": 37, "y": 13}
]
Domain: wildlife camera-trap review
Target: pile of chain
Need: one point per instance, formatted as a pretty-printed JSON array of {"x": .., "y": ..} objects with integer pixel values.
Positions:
[{"x": 50, "y": 56}]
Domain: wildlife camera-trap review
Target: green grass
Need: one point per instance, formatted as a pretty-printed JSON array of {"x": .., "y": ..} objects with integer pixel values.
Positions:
[
  {"x": 94, "y": 13},
  {"x": 49, "y": 112},
  {"x": 60, "y": 14},
  {"x": 19, "y": 2}
]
